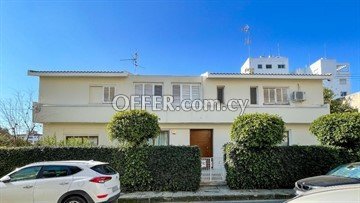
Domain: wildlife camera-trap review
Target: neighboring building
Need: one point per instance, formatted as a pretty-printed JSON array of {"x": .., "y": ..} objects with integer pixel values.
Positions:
[
  {"x": 354, "y": 100},
  {"x": 76, "y": 104},
  {"x": 271, "y": 64},
  {"x": 340, "y": 80},
  {"x": 33, "y": 138}
]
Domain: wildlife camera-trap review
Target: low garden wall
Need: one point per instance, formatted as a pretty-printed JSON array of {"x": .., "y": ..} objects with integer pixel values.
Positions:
[
  {"x": 150, "y": 168},
  {"x": 279, "y": 167}
]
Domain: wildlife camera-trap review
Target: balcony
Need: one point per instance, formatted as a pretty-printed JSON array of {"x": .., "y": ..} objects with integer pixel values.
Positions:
[{"x": 44, "y": 113}]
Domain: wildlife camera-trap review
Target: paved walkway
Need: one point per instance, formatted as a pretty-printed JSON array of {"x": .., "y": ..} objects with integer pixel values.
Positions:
[{"x": 207, "y": 193}]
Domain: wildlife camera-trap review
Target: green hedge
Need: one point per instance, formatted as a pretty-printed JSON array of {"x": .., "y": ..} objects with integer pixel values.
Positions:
[
  {"x": 162, "y": 168},
  {"x": 279, "y": 167}
]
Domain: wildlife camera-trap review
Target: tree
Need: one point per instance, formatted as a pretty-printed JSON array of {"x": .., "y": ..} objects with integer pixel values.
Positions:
[
  {"x": 338, "y": 129},
  {"x": 257, "y": 130},
  {"x": 340, "y": 105},
  {"x": 133, "y": 128},
  {"x": 7, "y": 140},
  {"x": 16, "y": 114}
]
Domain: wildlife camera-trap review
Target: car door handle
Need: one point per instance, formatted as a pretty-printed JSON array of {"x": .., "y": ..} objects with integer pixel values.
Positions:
[
  {"x": 64, "y": 183},
  {"x": 28, "y": 187}
]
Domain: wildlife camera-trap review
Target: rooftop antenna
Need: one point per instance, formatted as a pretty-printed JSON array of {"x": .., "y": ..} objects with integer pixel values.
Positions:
[
  {"x": 325, "y": 50},
  {"x": 246, "y": 30},
  {"x": 135, "y": 61},
  {"x": 278, "y": 49}
]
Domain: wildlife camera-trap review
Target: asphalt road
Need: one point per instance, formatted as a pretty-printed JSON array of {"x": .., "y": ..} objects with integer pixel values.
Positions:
[{"x": 248, "y": 201}]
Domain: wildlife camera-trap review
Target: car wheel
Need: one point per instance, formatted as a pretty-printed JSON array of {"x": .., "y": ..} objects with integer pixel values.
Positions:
[{"x": 75, "y": 199}]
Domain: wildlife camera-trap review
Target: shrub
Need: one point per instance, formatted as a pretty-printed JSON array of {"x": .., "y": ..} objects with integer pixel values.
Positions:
[
  {"x": 133, "y": 127},
  {"x": 339, "y": 129},
  {"x": 165, "y": 168},
  {"x": 257, "y": 130},
  {"x": 279, "y": 167},
  {"x": 11, "y": 141}
]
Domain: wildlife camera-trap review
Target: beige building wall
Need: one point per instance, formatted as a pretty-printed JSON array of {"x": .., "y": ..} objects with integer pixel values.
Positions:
[
  {"x": 354, "y": 100},
  {"x": 74, "y": 106}
]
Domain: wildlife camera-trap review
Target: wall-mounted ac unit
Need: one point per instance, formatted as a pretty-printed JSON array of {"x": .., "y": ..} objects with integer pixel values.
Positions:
[{"x": 298, "y": 96}]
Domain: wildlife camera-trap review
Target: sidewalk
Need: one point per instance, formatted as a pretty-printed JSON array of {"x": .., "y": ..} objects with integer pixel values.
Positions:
[{"x": 207, "y": 193}]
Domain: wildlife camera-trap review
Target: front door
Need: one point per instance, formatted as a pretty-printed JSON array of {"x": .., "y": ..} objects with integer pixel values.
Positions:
[{"x": 204, "y": 140}]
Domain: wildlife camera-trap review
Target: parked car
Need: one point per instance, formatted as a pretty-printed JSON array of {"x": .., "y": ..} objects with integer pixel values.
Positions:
[
  {"x": 342, "y": 175},
  {"x": 61, "y": 182},
  {"x": 332, "y": 194}
]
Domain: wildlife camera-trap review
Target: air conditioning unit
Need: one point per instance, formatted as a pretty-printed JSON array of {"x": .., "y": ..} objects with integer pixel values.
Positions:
[{"x": 298, "y": 96}]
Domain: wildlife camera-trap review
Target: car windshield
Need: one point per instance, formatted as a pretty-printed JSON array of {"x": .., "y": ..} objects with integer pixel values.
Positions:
[{"x": 350, "y": 171}]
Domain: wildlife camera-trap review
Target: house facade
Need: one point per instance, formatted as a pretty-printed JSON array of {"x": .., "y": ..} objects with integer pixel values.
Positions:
[{"x": 77, "y": 104}]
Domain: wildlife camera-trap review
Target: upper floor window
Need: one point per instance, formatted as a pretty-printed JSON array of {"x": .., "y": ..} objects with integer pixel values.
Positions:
[
  {"x": 268, "y": 66},
  {"x": 278, "y": 95},
  {"x": 253, "y": 95},
  {"x": 148, "y": 89},
  {"x": 220, "y": 94},
  {"x": 185, "y": 92},
  {"x": 343, "y": 94},
  {"x": 342, "y": 81},
  {"x": 259, "y": 66},
  {"x": 281, "y": 66},
  {"x": 109, "y": 93}
]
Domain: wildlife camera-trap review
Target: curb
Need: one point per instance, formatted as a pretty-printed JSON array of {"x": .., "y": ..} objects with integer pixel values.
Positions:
[{"x": 207, "y": 198}]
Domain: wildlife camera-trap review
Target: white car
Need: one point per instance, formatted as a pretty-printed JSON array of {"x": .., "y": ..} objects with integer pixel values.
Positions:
[
  {"x": 61, "y": 182},
  {"x": 333, "y": 194}
]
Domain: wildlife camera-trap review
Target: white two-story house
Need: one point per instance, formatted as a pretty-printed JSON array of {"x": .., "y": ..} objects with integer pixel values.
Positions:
[{"x": 77, "y": 104}]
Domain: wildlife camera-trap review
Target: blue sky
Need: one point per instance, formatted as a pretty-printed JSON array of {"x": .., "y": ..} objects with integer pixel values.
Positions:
[{"x": 172, "y": 37}]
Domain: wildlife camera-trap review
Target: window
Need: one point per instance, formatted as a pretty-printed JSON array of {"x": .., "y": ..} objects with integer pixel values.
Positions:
[
  {"x": 342, "y": 81},
  {"x": 343, "y": 94},
  {"x": 286, "y": 140},
  {"x": 268, "y": 66},
  {"x": 104, "y": 169},
  {"x": 281, "y": 66},
  {"x": 276, "y": 95},
  {"x": 91, "y": 140},
  {"x": 220, "y": 94},
  {"x": 25, "y": 174},
  {"x": 186, "y": 92},
  {"x": 259, "y": 66},
  {"x": 109, "y": 93},
  {"x": 54, "y": 171},
  {"x": 253, "y": 95},
  {"x": 148, "y": 89},
  {"x": 161, "y": 140}
]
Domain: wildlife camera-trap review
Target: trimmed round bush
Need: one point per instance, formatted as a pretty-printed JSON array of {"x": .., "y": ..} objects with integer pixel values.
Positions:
[
  {"x": 258, "y": 130},
  {"x": 133, "y": 127},
  {"x": 338, "y": 129}
]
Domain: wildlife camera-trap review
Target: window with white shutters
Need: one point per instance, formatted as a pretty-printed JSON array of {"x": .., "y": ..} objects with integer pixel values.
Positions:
[
  {"x": 109, "y": 93},
  {"x": 276, "y": 96},
  {"x": 147, "y": 89},
  {"x": 186, "y": 92}
]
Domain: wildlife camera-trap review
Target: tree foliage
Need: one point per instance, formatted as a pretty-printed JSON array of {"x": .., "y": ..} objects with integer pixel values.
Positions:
[
  {"x": 133, "y": 127},
  {"x": 51, "y": 141},
  {"x": 8, "y": 140},
  {"x": 259, "y": 130},
  {"x": 338, "y": 129},
  {"x": 340, "y": 105}
]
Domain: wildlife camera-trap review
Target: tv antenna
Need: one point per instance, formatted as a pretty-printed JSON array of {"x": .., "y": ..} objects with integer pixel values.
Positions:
[
  {"x": 135, "y": 61},
  {"x": 246, "y": 30}
]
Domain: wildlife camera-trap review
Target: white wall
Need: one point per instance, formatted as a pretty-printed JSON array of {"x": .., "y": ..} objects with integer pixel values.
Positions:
[{"x": 273, "y": 61}]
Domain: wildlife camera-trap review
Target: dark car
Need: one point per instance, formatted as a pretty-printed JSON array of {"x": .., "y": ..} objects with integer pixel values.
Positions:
[{"x": 342, "y": 175}]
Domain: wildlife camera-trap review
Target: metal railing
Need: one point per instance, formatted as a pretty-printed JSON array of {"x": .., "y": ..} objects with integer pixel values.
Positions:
[{"x": 212, "y": 169}]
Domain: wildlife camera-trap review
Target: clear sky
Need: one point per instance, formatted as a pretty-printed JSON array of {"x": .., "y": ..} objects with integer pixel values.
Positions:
[{"x": 172, "y": 37}]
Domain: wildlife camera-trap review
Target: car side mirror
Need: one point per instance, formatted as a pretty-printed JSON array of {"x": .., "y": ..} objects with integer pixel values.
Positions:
[{"x": 5, "y": 179}]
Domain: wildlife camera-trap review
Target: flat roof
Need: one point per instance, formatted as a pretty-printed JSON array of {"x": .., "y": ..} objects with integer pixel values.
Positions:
[{"x": 79, "y": 73}]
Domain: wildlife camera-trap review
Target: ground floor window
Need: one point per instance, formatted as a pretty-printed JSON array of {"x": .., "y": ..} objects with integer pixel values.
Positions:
[
  {"x": 286, "y": 140},
  {"x": 161, "y": 140},
  {"x": 93, "y": 140}
]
